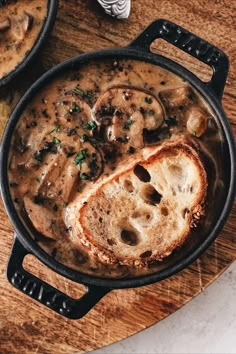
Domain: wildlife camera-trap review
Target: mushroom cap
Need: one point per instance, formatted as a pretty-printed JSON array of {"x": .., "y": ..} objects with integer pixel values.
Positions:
[{"x": 126, "y": 112}]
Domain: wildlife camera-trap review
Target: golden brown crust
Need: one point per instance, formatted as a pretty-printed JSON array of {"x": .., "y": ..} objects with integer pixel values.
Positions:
[{"x": 195, "y": 212}]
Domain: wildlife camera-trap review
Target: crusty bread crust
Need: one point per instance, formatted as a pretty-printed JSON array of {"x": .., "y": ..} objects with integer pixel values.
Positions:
[{"x": 161, "y": 239}]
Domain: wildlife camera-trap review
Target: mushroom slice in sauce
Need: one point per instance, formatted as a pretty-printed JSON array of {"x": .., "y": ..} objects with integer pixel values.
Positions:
[
  {"x": 126, "y": 112},
  {"x": 197, "y": 121},
  {"x": 177, "y": 98},
  {"x": 73, "y": 111},
  {"x": 89, "y": 162},
  {"x": 58, "y": 179},
  {"x": 42, "y": 219}
]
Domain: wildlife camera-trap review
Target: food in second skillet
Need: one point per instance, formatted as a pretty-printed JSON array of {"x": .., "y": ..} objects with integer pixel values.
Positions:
[{"x": 20, "y": 24}]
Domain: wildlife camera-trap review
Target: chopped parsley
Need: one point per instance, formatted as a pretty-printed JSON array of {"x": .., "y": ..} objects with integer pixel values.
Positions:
[
  {"x": 38, "y": 155},
  {"x": 78, "y": 91},
  {"x": 84, "y": 138},
  {"x": 56, "y": 130},
  {"x": 84, "y": 176},
  {"x": 56, "y": 140},
  {"x": 75, "y": 108},
  {"x": 84, "y": 94},
  {"x": 80, "y": 157},
  {"x": 91, "y": 125},
  {"x": 148, "y": 100},
  {"x": 65, "y": 205},
  {"x": 89, "y": 94},
  {"x": 128, "y": 124}
]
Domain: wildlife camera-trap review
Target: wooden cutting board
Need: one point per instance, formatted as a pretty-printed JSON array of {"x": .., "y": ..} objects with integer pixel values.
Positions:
[{"x": 28, "y": 327}]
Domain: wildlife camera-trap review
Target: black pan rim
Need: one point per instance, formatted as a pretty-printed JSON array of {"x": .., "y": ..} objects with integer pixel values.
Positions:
[
  {"x": 42, "y": 37},
  {"x": 28, "y": 242}
]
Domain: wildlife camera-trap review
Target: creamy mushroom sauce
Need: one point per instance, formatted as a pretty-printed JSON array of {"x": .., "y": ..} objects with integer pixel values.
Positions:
[
  {"x": 20, "y": 24},
  {"x": 60, "y": 146}
]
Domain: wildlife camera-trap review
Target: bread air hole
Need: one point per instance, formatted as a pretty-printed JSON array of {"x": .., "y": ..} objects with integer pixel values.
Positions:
[
  {"x": 129, "y": 237},
  {"x": 142, "y": 174},
  {"x": 142, "y": 214},
  {"x": 150, "y": 195},
  {"x": 128, "y": 186},
  {"x": 146, "y": 254}
]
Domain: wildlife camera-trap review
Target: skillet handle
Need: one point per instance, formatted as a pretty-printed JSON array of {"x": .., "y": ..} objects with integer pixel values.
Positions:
[
  {"x": 45, "y": 293},
  {"x": 191, "y": 44}
]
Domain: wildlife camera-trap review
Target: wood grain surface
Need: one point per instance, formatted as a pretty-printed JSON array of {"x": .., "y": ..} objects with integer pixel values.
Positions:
[{"x": 28, "y": 327}]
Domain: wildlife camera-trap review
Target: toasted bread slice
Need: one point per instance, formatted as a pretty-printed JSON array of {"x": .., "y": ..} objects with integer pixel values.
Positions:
[{"x": 143, "y": 213}]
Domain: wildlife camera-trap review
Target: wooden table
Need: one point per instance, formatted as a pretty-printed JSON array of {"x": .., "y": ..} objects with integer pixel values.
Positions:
[{"x": 28, "y": 327}]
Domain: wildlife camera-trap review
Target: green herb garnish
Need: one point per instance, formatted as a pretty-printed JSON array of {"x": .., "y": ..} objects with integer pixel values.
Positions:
[
  {"x": 56, "y": 140},
  {"x": 80, "y": 157},
  {"x": 91, "y": 125},
  {"x": 78, "y": 91},
  {"x": 75, "y": 108},
  {"x": 84, "y": 138},
  {"x": 89, "y": 94},
  {"x": 55, "y": 130},
  {"x": 38, "y": 155},
  {"x": 148, "y": 100},
  {"x": 128, "y": 124},
  {"x": 84, "y": 176}
]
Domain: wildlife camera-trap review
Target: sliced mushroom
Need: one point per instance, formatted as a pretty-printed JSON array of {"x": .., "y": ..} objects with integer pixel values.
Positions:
[
  {"x": 126, "y": 112},
  {"x": 197, "y": 121},
  {"x": 73, "y": 110},
  {"x": 42, "y": 219},
  {"x": 28, "y": 22},
  {"x": 5, "y": 24},
  {"x": 21, "y": 25},
  {"x": 177, "y": 98}
]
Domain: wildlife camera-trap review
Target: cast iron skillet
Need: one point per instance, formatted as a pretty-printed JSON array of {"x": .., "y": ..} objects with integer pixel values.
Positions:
[
  {"x": 46, "y": 28},
  {"x": 97, "y": 287}
]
